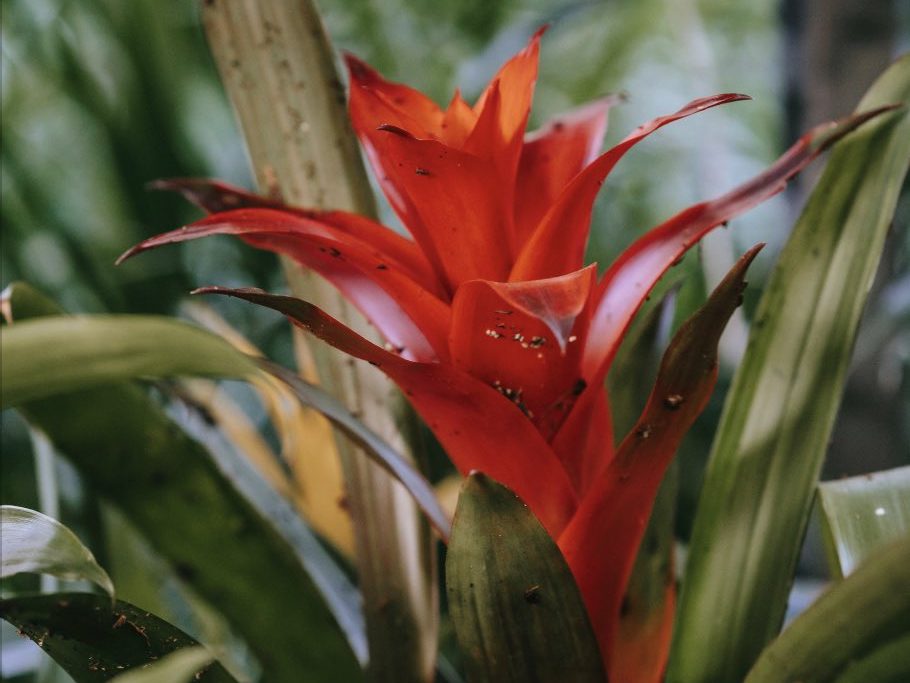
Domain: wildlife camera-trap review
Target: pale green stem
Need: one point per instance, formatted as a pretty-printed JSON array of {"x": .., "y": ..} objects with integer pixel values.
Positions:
[{"x": 278, "y": 68}]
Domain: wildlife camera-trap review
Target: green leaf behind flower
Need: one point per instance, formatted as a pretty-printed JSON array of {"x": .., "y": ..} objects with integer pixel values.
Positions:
[
  {"x": 778, "y": 417},
  {"x": 860, "y": 514}
]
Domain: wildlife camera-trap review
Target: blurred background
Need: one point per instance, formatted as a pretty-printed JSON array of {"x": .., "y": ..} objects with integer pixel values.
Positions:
[{"x": 100, "y": 97}]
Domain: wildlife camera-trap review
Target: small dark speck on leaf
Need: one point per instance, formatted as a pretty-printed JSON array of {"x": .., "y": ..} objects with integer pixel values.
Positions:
[
  {"x": 185, "y": 571},
  {"x": 532, "y": 595},
  {"x": 382, "y": 266},
  {"x": 421, "y": 171},
  {"x": 625, "y": 607}
]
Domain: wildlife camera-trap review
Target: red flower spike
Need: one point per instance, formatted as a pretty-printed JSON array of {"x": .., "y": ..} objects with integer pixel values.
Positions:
[
  {"x": 601, "y": 541},
  {"x": 515, "y": 82},
  {"x": 628, "y": 281},
  {"x": 458, "y": 121},
  {"x": 558, "y": 242},
  {"x": 213, "y": 196},
  {"x": 500, "y": 224},
  {"x": 478, "y": 427},
  {"x": 552, "y": 156}
]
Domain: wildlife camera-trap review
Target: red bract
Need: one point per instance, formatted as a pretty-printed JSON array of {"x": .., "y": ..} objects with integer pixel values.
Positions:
[{"x": 500, "y": 337}]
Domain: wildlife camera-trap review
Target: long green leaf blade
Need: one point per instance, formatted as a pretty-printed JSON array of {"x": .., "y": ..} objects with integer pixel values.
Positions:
[
  {"x": 517, "y": 612},
  {"x": 853, "y": 619},
  {"x": 778, "y": 417},
  {"x": 33, "y": 542},
  {"x": 888, "y": 664},
  {"x": 862, "y": 513},
  {"x": 65, "y": 353},
  {"x": 94, "y": 640}
]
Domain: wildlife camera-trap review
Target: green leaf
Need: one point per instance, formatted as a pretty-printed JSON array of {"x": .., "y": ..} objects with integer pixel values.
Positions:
[
  {"x": 888, "y": 664},
  {"x": 852, "y": 620},
  {"x": 863, "y": 513},
  {"x": 515, "y": 607},
  {"x": 51, "y": 355},
  {"x": 778, "y": 417},
  {"x": 33, "y": 542},
  {"x": 94, "y": 640},
  {"x": 178, "y": 667},
  {"x": 223, "y": 529}
]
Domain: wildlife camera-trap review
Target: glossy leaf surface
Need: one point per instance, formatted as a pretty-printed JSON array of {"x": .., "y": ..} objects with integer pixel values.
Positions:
[
  {"x": 515, "y": 607},
  {"x": 57, "y": 354},
  {"x": 860, "y": 514},
  {"x": 33, "y": 542},
  {"x": 852, "y": 620},
  {"x": 778, "y": 417},
  {"x": 95, "y": 641}
]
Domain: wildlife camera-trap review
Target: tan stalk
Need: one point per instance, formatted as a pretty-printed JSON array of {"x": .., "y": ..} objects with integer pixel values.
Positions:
[{"x": 278, "y": 68}]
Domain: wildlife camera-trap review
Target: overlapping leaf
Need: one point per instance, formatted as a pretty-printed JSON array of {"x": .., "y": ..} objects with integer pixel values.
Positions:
[{"x": 778, "y": 417}]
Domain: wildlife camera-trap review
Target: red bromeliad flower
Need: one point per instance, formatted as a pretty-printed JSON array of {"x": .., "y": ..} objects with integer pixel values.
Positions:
[{"x": 500, "y": 337}]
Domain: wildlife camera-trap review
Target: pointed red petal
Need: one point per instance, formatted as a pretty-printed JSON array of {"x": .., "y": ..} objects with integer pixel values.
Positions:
[
  {"x": 629, "y": 280},
  {"x": 602, "y": 539},
  {"x": 406, "y": 314},
  {"x": 515, "y": 82},
  {"x": 552, "y": 156},
  {"x": 444, "y": 198},
  {"x": 558, "y": 242},
  {"x": 458, "y": 121},
  {"x": 214, "y": 196},
  {"x": 479, "y": 428},
  {"x": 375, "y": 101},
  {"x": 519, "y": 338}
]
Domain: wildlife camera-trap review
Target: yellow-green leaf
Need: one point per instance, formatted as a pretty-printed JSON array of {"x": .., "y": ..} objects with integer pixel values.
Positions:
[
  {"x": 853, "y": 619},
  {"x": 863, "y": 513}
]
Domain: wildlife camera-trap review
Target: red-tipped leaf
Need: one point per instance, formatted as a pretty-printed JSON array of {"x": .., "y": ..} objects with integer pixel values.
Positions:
[
  {"x": 407, "y": 315},
  {"x": 601, "y": 541},
  {"x": 628, "y": 281},
  {"x": 558, "y": 242}
]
